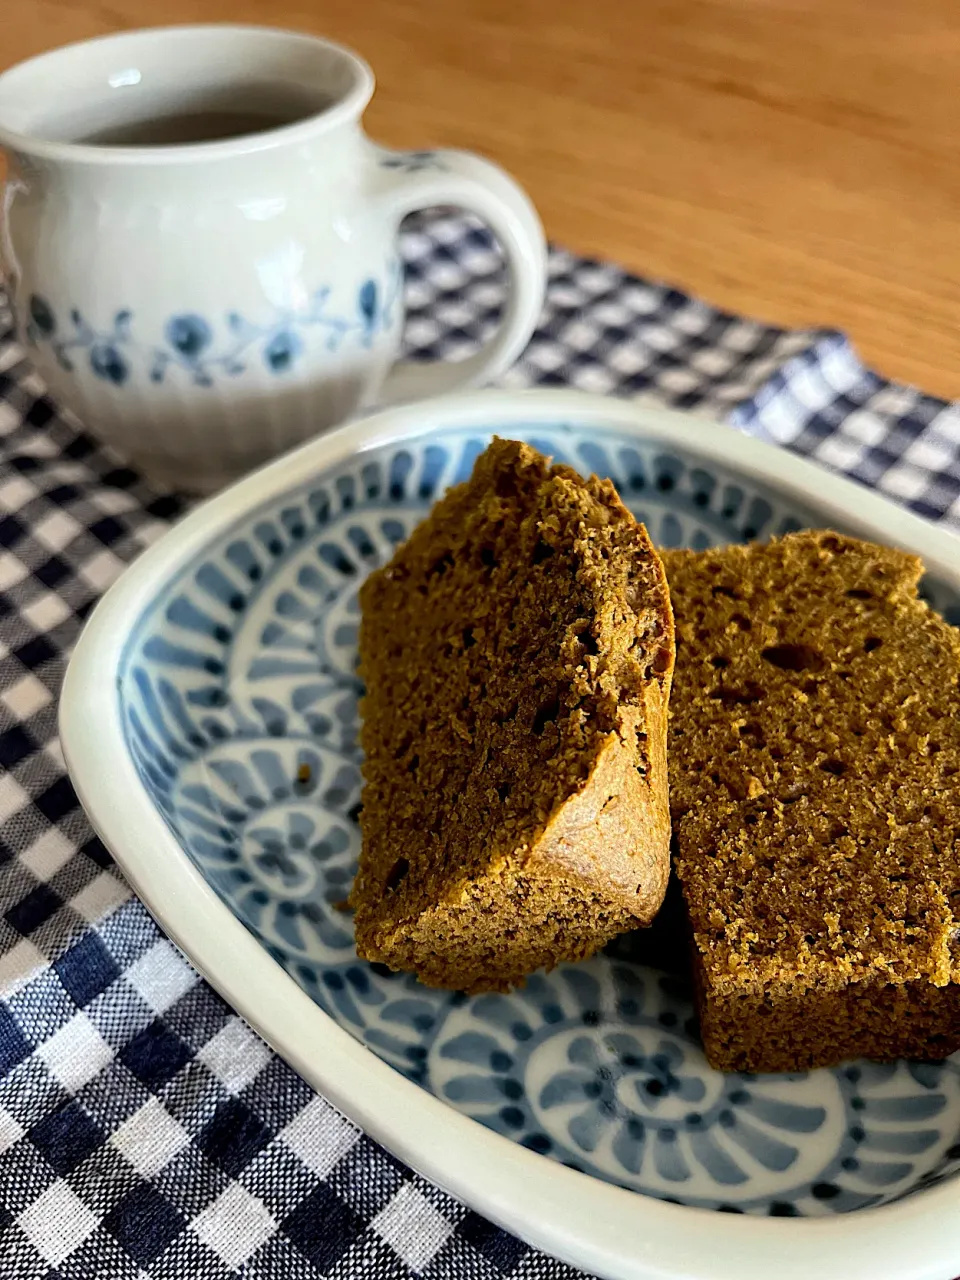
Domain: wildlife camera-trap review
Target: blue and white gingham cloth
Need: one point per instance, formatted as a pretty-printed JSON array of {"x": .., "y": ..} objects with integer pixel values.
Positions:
[{"x": 145, "y": 1130}]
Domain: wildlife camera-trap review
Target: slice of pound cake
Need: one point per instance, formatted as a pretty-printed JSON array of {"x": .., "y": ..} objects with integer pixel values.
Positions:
[
  {"x": 517, "y": 653},
  {"x": 814, "y": 754}
]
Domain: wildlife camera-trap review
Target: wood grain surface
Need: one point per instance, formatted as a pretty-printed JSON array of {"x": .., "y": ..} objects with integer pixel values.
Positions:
[{"x": 794, "y": 161}]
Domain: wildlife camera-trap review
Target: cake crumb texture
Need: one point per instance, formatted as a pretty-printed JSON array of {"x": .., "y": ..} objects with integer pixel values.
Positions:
[
  {"x": 814, "y": 749},
  {"x": 517, "y": 653}
]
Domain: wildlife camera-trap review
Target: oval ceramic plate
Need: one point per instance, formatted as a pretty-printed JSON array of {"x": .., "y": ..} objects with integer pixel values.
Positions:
[{"x": 223, "y": 773}]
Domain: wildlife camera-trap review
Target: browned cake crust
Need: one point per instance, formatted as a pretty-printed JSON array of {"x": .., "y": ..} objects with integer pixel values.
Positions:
[
  {"x": 517, "y": 652},
  {"x": 815, "y": 747}
]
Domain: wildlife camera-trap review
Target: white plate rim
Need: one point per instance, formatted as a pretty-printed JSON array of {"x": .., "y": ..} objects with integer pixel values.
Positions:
[{"x": 608, "y": 1230}]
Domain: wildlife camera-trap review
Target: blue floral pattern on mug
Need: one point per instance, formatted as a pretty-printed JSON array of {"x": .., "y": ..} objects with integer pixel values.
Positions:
[
  {"x": 191, "y": 343},
  {"x": 104, "y": 349},
  {"x": 412, "y": 161},
  {"x": 239, "y": 695}
]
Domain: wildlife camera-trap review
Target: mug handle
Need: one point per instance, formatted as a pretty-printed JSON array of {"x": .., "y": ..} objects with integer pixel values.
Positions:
[{"x": 425, "y": 179}]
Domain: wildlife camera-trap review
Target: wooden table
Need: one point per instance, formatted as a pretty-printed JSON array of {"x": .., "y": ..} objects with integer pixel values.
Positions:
[{"x": 794, "y": 160}]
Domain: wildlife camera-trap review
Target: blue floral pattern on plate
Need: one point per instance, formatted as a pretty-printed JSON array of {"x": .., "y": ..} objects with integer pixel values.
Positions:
[
  {"x": 240, "y": 704},
  {"x": 193, "y": 346}
]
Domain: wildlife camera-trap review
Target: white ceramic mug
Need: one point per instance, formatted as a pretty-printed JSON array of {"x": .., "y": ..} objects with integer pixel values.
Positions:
[{"x": 202, "y": 305}]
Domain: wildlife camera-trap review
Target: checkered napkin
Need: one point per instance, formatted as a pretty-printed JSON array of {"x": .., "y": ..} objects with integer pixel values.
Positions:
[{"x": 145, "y": 1130}]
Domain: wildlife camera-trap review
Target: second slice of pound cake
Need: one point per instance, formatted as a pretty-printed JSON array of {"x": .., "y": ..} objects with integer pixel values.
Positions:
[
  {"x": 517, "y": 653},
  {"x": 815, "y": 761}
]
